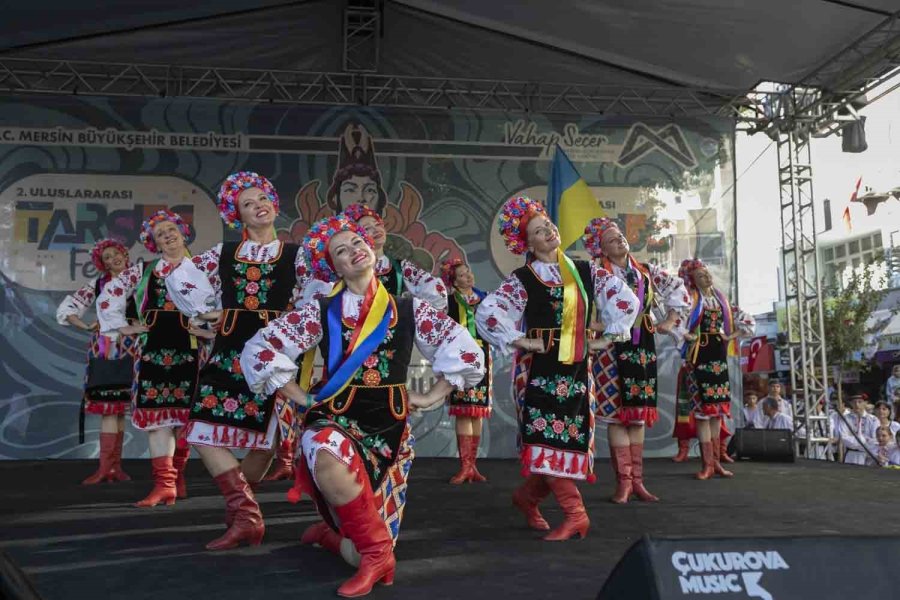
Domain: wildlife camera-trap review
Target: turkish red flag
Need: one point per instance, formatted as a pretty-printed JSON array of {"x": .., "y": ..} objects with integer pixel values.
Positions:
[{"x": 756, "y": 345}]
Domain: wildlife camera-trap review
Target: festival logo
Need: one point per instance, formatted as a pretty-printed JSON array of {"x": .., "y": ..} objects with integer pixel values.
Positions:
[
  {"x": 726, "y": 572},
  {"x": 357, "y": 180},
  {"x": 53, "y": 220}
]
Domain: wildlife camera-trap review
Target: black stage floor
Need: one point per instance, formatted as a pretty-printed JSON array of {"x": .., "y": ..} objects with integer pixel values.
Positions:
[{"x": 456, "y": 541}]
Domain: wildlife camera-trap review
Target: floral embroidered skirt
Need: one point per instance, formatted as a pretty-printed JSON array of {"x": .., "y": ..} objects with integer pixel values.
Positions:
[
  {"x": 475, "y": 401},
  {"x": 165, "y": 374},
  {"x": 625, "y": 381},
  {"x": 555, "y": 419},
  {"x": 225, "y": 412},
  {"x": 685, "y": 396},
  {"x": 710, "y": 371}
]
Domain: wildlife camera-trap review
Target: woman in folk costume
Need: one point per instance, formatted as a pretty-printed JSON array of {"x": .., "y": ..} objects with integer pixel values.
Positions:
[
  {"x": 473, "y": 404},
  {"x": 398, "y": 277},
  {"x": 555, "y": 297},
  {"x": 240, "y": 286},
  {"x": 356, "y": 442},
  {"x": 713, "y": 328},
  {"x": 105, "y": 392},
  {"x": 166, "y": 372},
  {"x": 625, "y": 373}
]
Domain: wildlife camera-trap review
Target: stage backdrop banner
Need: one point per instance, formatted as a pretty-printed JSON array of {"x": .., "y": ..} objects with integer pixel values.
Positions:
[{"x": 74, "y": 170}]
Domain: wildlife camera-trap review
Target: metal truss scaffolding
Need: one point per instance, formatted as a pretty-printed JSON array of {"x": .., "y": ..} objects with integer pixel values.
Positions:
[
  {"x": 806, "y": 334},
  {"x": 362, "y": 36}
]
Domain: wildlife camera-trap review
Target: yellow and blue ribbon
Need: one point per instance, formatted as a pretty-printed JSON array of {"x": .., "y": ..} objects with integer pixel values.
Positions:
[
  {"x": 572, "y": 340},
  {"x": 368, "y": 335}
]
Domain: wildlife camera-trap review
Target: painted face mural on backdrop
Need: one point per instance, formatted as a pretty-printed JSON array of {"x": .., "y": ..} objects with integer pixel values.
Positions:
[{"x": 357, "y": 180}]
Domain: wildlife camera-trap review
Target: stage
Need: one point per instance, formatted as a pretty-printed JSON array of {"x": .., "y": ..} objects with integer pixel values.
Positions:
[{"x": 456, "y": 541}]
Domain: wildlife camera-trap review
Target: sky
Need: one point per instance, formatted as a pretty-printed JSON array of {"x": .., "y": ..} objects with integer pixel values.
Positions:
[{"x": 834, "y": 176}]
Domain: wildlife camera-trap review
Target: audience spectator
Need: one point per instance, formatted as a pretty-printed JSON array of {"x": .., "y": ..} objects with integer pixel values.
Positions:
[
  {"x": 882, "y": 448},
  {"x": 784, "y": 405},
  {"x": 884, "y": 414},
  {"x": 856, "y": 430},
  {"x": 892, "y": 386},
  {"x": 774, "y": 418},
  {"x": 751, "y": 414}
]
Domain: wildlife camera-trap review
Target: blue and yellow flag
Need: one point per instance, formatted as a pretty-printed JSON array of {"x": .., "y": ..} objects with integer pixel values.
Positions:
[{"x": 570, "y": 203}]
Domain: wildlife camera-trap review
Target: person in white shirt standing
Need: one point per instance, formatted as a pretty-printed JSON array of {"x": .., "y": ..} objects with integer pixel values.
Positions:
[{"x": 857, "y": 429}]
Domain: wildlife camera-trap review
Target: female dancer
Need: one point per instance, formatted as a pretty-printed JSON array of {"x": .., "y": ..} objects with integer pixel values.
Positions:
[
  {"x": 356, "y": 437},
  {"x": 625, "y": 373},
  {"x": 106, "y": 398},
  {"x": 713, "y": 328},
  {"x": 397, "y": 277},
  {"x": 253, "y": 281},
  {"x": 556, "y": 297},
  {"x": 473, "y": 404},
  {"x": 166, "y": 372}
]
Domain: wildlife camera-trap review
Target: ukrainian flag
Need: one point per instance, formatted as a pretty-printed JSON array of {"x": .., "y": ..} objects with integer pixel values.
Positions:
[{"x": 570, "y": 203}]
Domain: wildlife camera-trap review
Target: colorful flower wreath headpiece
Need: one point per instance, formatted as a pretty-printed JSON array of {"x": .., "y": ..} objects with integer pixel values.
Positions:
[
  {"x": 448, "y": 271},
  {"x": 232, "y": 188},
  {"x": 688, "y": 266},
  {"x": 147, "y": 226},
  {"x": 514, "y": 219},
  {"x": 315, "y": 244},
  {"x": 593, "y": 234},
  {"x": 97, "y": 253},
  {"x": 355, "y": 212}
]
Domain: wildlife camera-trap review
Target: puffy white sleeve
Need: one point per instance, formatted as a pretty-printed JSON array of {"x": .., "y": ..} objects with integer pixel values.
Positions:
[
  {"x": 307, "y": 286},
  {"x": 194, "y": 285},
  {"x": 744, "y": 322},
  {"x": 616, "y": 303},
  {"x": 453, "y": 353},
  {"x": 269, "y": 359},
  {"x": 76, "y": 303},
  {"x": 499, "y": 314},
  {"x": 113, "y": 300},
  {"x": 849, "y": 439},
  {"x": 670, "y": 289},
  {"x": 424, "y": 286}
]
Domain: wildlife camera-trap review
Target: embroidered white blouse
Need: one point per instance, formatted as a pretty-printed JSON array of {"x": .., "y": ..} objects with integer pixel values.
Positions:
[
  {"x": 113, "y": 300},
  {"x": 270, "y": 357},
  {"x": 195, "y": 287},
  {"x": 499, "y": 314}
]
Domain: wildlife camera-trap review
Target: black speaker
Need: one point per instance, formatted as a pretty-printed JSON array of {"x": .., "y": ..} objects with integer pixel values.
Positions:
[
  {"x": 766, "y": 568},
  {"x": 14, "y": 583},
  {"x": 775, "y": 445}
]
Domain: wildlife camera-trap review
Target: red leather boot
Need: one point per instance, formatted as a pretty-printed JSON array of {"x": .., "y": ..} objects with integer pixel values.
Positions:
[
  {"x": 569, "y": 498},
  {"x": 528, "y": 496},
  {"x": 323, "y": 535},
  {"x": 164, "y": 476},
  {"x": 706, "y": 455},
  {"x": 118, "y": 473},
  {"x": 465, "y": 463},
  {"x": 361, "y": 523},
  {"x": 624, "y": 487},
  {"x": 473, "y": 457},
  {"x": 283, "y": 465},
  {"x": 723, "y": 451},
  {"x": 247, "y": 521},
  {"x": 179, "y": 461},
  {"x": 637, "y": 474},
  {"x": 106, "y": 470},
  {"x": 717, "y": 466},
  {"x": 684, "y": 446}
]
